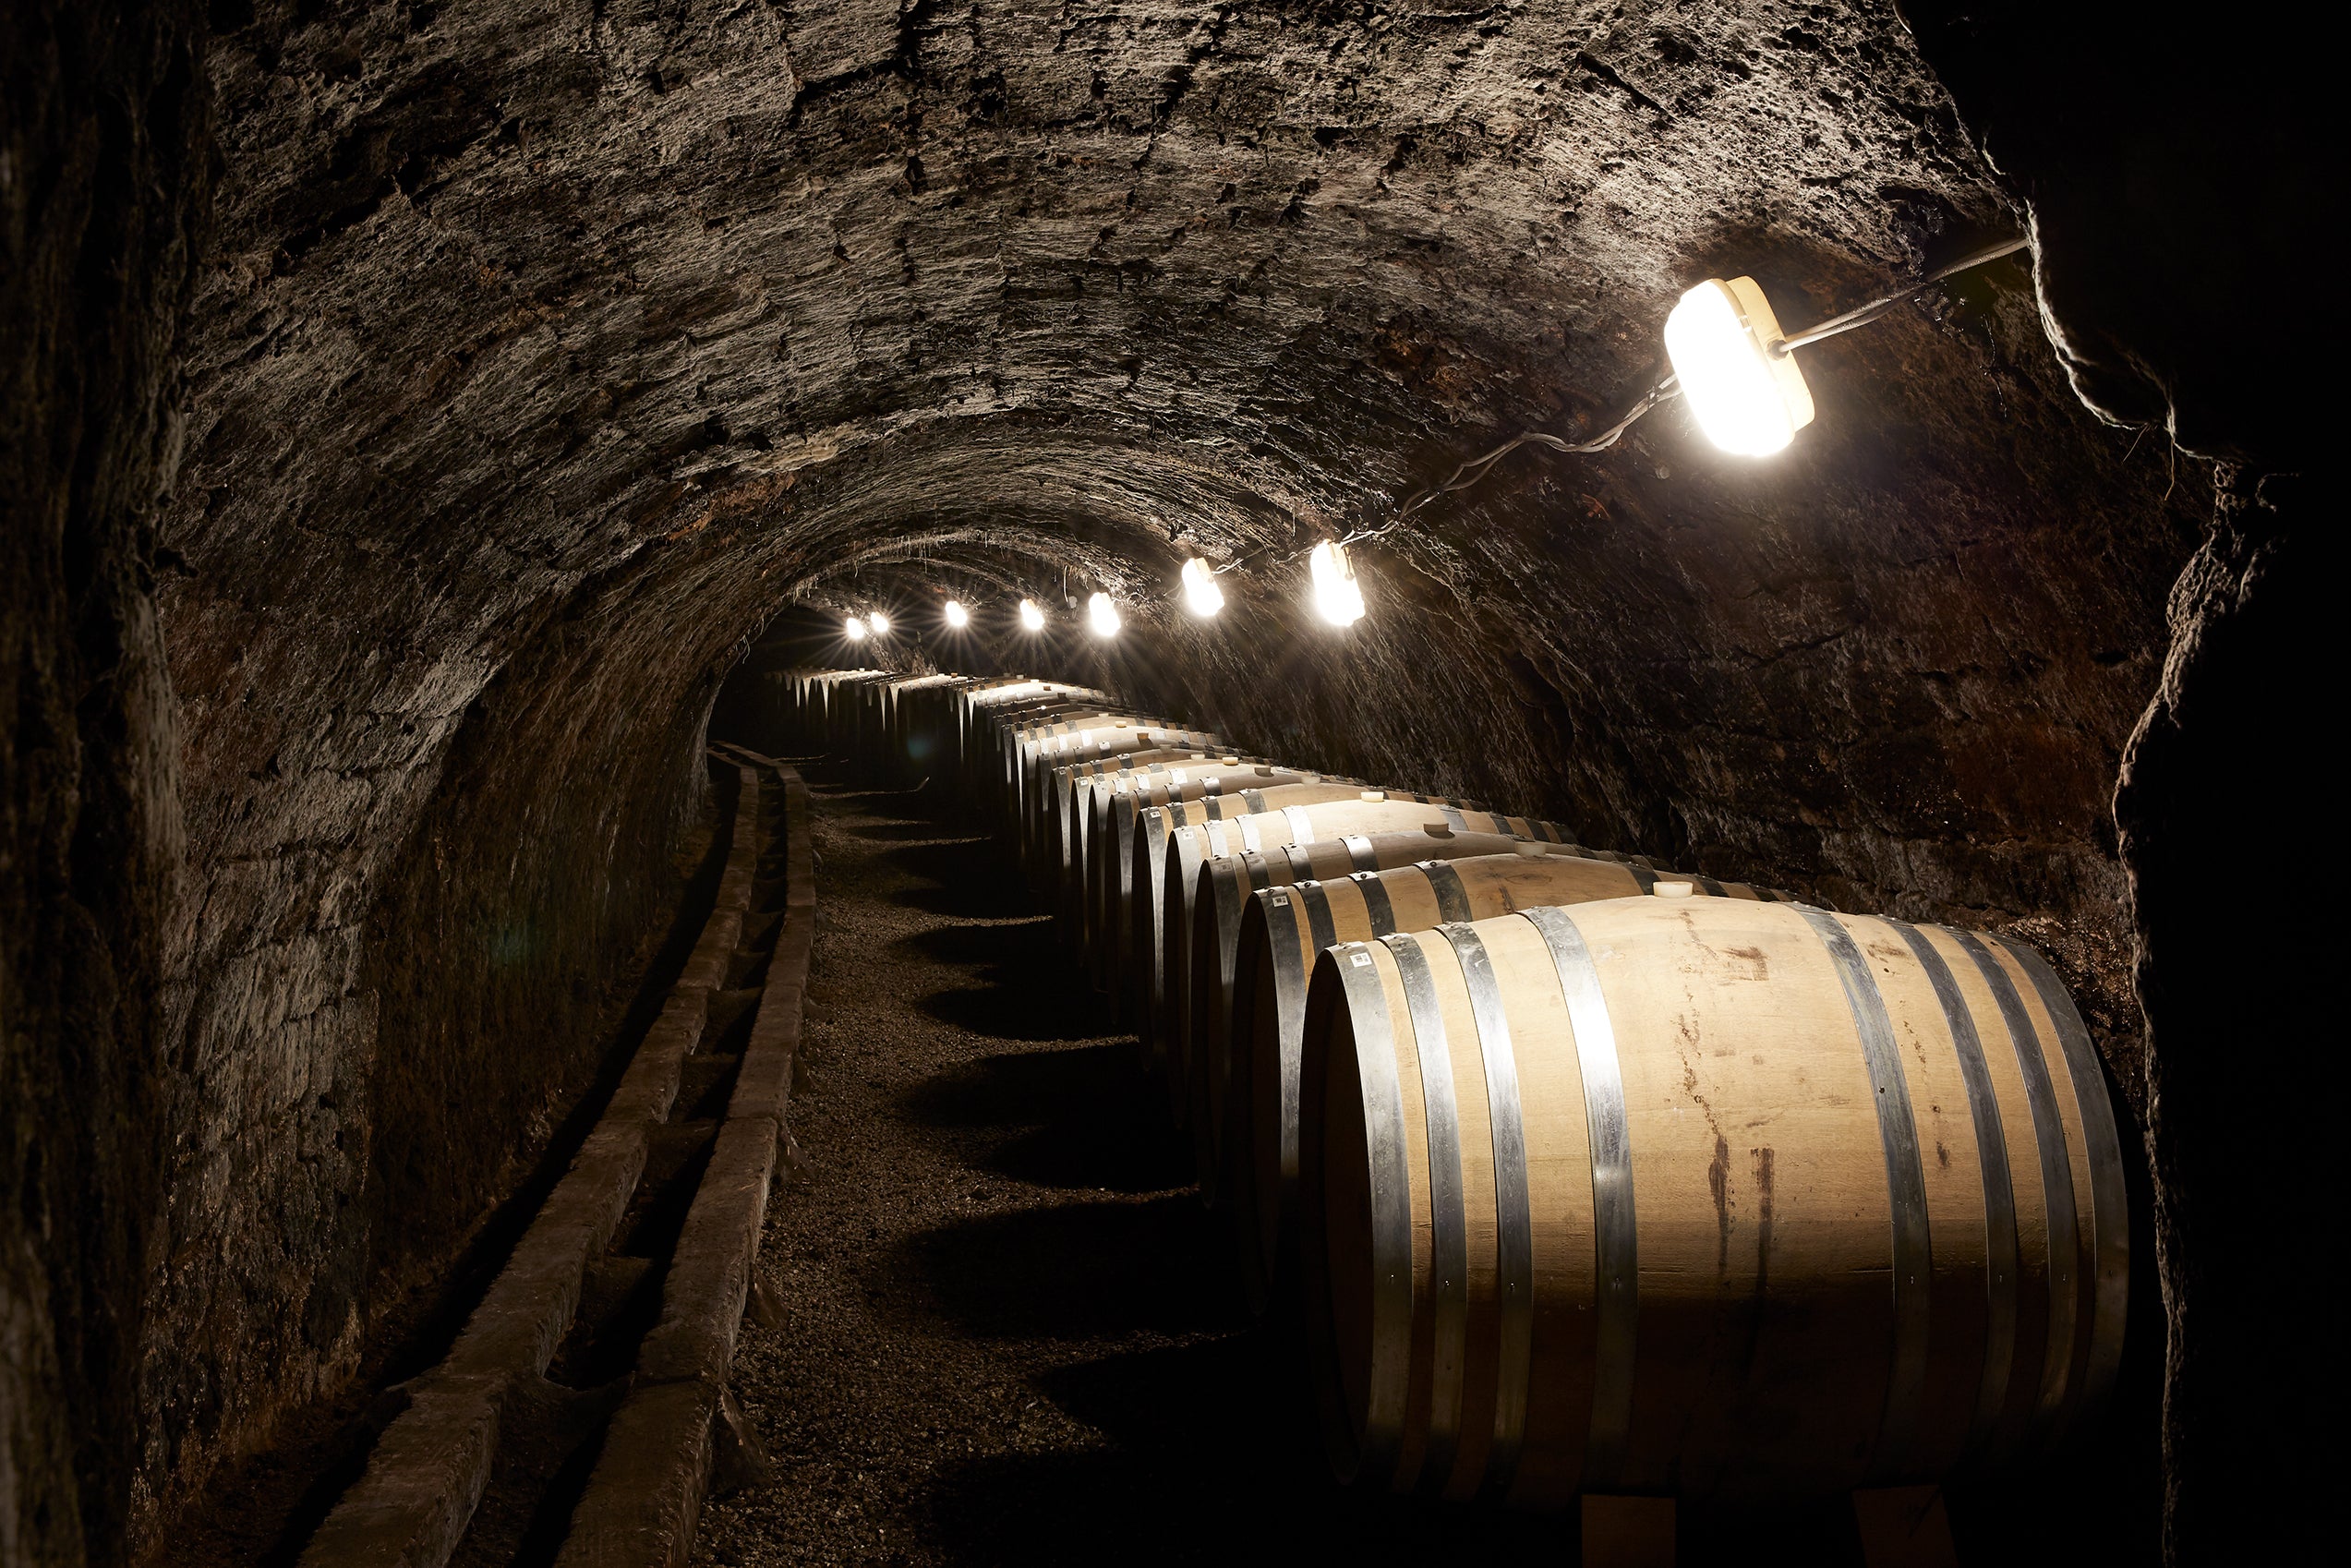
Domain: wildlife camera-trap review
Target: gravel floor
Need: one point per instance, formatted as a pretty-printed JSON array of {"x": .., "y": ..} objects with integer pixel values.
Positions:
[{"x": 1010, "y": 1331}]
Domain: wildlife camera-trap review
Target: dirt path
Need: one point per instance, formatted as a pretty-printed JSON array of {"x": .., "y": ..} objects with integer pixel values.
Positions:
[{"x": 1010, "y": 1330}]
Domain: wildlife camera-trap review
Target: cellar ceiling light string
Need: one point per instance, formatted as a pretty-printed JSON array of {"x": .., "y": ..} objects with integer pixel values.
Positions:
[
  {"x": 1728, "y": 358},
  {"x": 1473, "y": 469}
]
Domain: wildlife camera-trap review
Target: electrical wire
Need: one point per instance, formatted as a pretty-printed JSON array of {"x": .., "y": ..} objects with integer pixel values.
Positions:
[
  {"x": 1470, "y": 472},
  {"x": 1864, "y": 314},
  {"x": 1475, "y": 468}
]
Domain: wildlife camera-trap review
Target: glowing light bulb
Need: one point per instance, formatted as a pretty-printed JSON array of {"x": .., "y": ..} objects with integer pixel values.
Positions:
[
  {"x": 1102, "y": 616},
  {"x": 1202, "y": 596},
  {"x": 880, "y": 622},
  {"x": 1032, "y": 617},
  {"x": 1744, "y": 387},
  {"x": 1338, "y": 599},
  {"x": 854, "y": 628},
  {"x": 957, "y": 617}
]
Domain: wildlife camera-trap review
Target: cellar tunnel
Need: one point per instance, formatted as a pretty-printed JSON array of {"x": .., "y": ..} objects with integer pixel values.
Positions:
[{"x": 416, "y": 414}]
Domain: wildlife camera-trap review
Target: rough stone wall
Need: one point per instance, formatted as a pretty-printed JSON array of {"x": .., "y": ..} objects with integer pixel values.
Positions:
[
  {"x": 474, "y": 950},
  {"x": 546, "y": 351},
  {"x": 386, "y": 1028},
  {"x": 104, "y": 187},
  {"x": 1895, "y": 669},
  {"x": 2173, "y": 195}
]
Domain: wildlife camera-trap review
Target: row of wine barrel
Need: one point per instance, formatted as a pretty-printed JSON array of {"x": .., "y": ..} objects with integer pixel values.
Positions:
[{"x": 1586, "y": 1175}]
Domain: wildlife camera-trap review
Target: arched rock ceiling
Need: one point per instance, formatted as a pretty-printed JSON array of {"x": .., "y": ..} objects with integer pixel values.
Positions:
[{"x": 547, "y": 351}]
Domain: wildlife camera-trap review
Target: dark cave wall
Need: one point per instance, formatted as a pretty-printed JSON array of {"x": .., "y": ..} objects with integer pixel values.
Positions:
[
  {"x": 490, "y": 954},
  {"x": 1895, "y": 669},
  {"x": 541, "y": 357},
  {"x": 499, "y": 973},
  {"x": 2172, "y": 192},
  {"x": 2232, "y": 996},
  {"x": 389, "y": 1028},
  {"x": 104, "y": 185}
]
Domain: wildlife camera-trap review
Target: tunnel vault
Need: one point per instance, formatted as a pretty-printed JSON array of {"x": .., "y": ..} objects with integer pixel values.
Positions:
[{"x": 535, "y": 358}]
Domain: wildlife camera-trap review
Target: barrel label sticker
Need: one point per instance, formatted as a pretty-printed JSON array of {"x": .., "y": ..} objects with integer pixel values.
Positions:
[
  {"x": 1362, "y": 960},
  {"x": 1282, "y": 900}
]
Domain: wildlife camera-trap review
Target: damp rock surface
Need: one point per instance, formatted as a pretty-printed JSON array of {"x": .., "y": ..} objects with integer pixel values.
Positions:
[{"x": 531, "y": 358}]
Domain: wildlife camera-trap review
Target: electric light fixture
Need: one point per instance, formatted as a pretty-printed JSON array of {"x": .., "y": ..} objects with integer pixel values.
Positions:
[
  {"x": 1032, "y": 617},
  {"x": 879, "y": 623},
  {"x": 1338, "y": 599},
  {"x": 854, "y": 629},
  {"x": 1730, "y": 360},
  {"x": 1102, "y": 616},
  {"x": 957, "y": 617},
  {"x": 1734, "y": 366},
  {"x": 1202, "y": 596}
]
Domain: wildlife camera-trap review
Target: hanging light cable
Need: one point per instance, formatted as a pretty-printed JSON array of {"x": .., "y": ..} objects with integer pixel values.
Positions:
[
  {"x": 1474, "y": 469},
  {"x": 1727, "y": 355}
]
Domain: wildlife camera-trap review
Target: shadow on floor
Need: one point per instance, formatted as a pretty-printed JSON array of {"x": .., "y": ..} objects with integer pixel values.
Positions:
[
  {"x": 969, "y": 880},
  {"x": 1210, "y": 1455},
  {"x": 921, "y": 830},
  {"x": 1079, "y": 1113},
  {"x": 1028, "y": 942},
  {"x": 1079, "y": 1271},
  {"x": 1003, "y": 1011}
]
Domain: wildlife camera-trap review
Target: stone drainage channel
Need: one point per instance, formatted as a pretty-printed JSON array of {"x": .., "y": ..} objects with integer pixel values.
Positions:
[{"x": 583, "y": 1415}]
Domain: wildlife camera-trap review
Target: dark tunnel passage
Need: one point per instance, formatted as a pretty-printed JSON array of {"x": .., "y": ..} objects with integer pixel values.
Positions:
[{"x": 415, "y": 416}]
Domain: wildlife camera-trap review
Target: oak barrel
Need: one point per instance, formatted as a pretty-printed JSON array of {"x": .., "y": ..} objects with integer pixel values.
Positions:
[
  {"x": 1248, "y": 1074},
  {"x": 1075, "y": 786},
  {"x": 1022, "y": 742},
  {"x": 1102, "y": 795},
  {"x": 986, "y": 717},
  {"x": 1213, "y": 862},
  {"x": 1355, "y": 877},
  {"x": 1117, "y": 818},
  {"x": 1169, "y": 847},
  {"x": 1109, "y": 755},
  {"x": 1042, "y": 796},
  {"x": 1703, "y": 1196}
]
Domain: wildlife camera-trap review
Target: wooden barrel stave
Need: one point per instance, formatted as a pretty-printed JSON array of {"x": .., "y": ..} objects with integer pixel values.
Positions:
[
  {"x": 1074, "y": 785},
  {"x": 1043, "y": 796},
  {"x": 1003, "y": 738},
  {"x": 988, "y": 734},
  {"x": 1767, "y": 1349},
  {"x": 1193, "y": 832},
  {"x": 1201, "y": 1033},
  {"x": 1264, "y": 1001},
  {"x": 1108, "y": 752},
  {"x": 1162, "y": 844},
  {"x": 1394, "y": 895},
  {"x": 1107, "y": 839},
  {"x": 1195, "y": 854},
  {"x": 1047, "y": 734},
  {"x": 1188, "y": 794},
  {"x": 1114, "y": 889},
  {"x": 1092, "y": 786}
]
